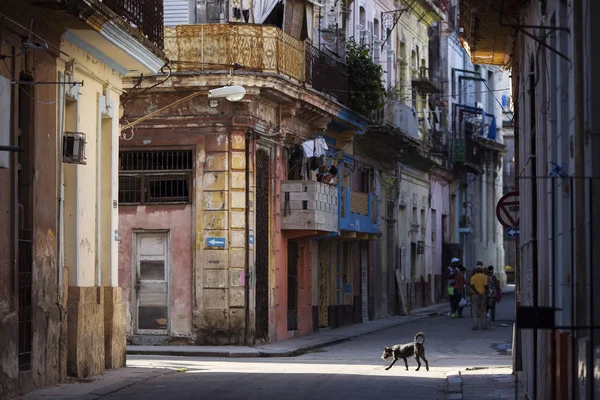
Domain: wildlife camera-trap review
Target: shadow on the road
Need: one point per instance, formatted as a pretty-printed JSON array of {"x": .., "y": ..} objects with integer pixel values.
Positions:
[{"x": 263, "y": 386}]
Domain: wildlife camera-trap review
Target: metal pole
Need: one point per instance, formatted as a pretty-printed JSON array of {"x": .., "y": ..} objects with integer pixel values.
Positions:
[
  {"x": 553, "y": 338},
  {"x": 247, "y": 245},
  {"x": 578, "y": 150}
]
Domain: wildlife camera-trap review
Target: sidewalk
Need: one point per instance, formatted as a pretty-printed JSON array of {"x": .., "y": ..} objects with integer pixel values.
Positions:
[
  {"x": 291, "y": 347},
  {"x": 97, "y": 387},
  {"x": 484, "y": 384}
]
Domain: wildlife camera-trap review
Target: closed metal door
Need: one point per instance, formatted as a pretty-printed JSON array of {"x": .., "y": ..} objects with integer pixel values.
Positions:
[{"x": 151, "y": 283}]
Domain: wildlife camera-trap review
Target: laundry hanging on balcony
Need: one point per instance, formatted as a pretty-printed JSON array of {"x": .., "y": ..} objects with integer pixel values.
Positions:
[
  {"x": 262, "y": 9},
  {"x": 314, "y": 155}
]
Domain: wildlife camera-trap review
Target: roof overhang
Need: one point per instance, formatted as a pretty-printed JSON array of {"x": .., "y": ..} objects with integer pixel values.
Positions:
[{"x": 486, "y": 29}]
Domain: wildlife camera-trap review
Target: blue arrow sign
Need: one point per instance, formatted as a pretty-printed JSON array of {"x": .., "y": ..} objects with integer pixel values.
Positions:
[
  {"x": 513, "y": 232},
  {"x": 251, "y": 239},
  {"x": 215, "y": 242}
]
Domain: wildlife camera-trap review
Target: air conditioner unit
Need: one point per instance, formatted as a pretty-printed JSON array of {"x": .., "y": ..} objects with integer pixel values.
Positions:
[{"x": 73, "y": 150}]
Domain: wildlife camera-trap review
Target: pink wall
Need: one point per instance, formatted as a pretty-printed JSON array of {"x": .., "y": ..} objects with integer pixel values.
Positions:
[
  {"x": 278, "y": 310},
  {"x": 178, "y": 220},
  {"x": 304, "y": 289}
]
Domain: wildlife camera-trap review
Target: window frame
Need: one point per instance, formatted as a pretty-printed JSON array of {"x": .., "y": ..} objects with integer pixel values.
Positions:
[{"x": 144, "y": 177}]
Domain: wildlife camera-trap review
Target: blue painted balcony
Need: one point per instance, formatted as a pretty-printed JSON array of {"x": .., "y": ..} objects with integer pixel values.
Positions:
[{"x": 357, "y": 212}]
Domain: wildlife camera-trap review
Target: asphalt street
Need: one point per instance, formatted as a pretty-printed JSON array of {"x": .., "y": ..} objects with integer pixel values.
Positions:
[{"x": 349, "y": 370}]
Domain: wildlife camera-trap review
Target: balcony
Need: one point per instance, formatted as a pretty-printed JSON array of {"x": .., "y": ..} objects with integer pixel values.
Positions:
[
  {"x": 402, "y": 117},
  {"x": 357, "y": 212},
  {"x": 309, "y": 205},
  {"x": 130, "y": 31},
  {"x": 465, "y": 151},
  {"x": 144, "y": 15},
  {"x": 326, "y": 74},
  {"x": 259, "y": 48},
  {"x": 421, "y": 80}
]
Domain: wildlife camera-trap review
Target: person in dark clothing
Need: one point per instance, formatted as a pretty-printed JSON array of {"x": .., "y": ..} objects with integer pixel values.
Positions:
[
  {"x": 451, "y": 271},
  {"x": 459, "y": 291}
]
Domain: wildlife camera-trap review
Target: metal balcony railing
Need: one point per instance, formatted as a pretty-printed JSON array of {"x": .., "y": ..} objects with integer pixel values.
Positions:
[
  {"x": 258, "y": 48},
  {"x": 145, "y": 15},
  {"x": 326, "y": 74}
]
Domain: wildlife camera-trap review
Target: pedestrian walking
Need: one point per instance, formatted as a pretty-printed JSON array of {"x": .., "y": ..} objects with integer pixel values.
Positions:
[
  {"x": 493, "y": 293},
  {"x": 459, "y": 293},
  {"x": 469, "y": 275},
  {"x": 451, "y": 271},
  {"x": 478, "y": 283}
]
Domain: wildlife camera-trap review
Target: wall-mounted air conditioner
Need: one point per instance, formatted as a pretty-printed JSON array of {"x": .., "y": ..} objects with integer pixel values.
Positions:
[{"x": 73, "y": 150}]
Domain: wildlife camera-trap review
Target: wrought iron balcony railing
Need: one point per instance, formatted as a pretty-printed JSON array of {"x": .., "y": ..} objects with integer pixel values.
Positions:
[
  {"x": 326, "y": 74},
  {"x": 146, "y": 15},
  {"x": 258, "y": 48}
]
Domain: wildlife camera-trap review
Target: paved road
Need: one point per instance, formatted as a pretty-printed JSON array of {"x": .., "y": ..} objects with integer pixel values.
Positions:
[{"x": 350, "y": 370}]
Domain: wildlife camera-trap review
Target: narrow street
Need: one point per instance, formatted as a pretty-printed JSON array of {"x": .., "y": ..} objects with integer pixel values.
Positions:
[{"x": 349, "y": 370}]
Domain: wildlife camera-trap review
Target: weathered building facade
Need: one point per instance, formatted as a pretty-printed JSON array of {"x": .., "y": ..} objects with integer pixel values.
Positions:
[
  {"x": 222, "y": 206},
  {"x": 61, "y": 311},
  {"x": 556, "y": 171}
]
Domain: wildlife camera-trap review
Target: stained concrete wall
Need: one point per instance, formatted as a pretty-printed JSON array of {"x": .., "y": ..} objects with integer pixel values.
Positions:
[
  {"x": 48, "y": 314},
  {"x": 207, "y": 288},
  {"x": 177, "y": 220}
]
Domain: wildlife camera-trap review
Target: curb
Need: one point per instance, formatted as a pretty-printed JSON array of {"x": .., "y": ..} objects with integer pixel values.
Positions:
[
  {"x": 108, "y": 390},
  {"x": 258, "y": 352},
  {"x": 455, "y": 382}
]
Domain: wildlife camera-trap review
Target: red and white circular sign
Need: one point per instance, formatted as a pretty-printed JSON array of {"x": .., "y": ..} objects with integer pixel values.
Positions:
[{"x": 507, "y": 210}]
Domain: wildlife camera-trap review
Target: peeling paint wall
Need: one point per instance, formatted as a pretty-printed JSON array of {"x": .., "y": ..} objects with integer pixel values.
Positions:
[
  {"x": 38, "y": 214},
  {"x": 177, "y": 220}
]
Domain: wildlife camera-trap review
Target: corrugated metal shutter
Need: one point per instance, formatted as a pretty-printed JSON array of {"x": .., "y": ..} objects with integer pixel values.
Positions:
[{"x": 177, "y": 12}]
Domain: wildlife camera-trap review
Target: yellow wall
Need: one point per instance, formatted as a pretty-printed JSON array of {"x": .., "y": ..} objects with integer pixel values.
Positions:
[{"x": 89, "y": 190}]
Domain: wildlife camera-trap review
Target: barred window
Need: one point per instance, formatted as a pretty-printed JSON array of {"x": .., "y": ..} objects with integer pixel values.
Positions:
[{"x": 155, "y": 177}]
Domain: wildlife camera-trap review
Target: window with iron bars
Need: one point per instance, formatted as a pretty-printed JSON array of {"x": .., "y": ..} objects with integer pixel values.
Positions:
[{"x": 155, "y": 177}]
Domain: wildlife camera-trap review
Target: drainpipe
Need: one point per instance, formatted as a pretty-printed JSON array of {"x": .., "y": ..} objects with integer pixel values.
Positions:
[
  {"x": 247, "y": 244},
  {"x": 578, "y": 150}
]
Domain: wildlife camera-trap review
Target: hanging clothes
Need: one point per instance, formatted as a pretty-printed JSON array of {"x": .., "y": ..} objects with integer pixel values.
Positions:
[{"x": 315, "y": 147}]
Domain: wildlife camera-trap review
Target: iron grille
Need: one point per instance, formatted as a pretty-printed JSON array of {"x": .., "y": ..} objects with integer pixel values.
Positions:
[
  {"x": 171, "y": 160},
  {"x": 146, "y": 15},
  {"x": 326, "y": 74},
  {"x": 155, "y": 177},
  {"x": 25, "y": 290}
]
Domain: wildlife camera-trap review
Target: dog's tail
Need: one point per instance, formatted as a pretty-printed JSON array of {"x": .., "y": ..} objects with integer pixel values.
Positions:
[{"x": 420, "y": 335}]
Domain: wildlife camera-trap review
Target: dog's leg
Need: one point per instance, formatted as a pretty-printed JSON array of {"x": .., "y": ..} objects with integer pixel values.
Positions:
[
  {"x": 406, "y": 363},
  {"x": 424, "y": 359},
  {"x": 418, "y": 362},
  {"x": 393, "y": 362}
]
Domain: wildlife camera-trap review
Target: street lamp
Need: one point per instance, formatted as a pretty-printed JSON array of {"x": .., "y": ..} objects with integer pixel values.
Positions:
[{"x": 231, "y": 93}]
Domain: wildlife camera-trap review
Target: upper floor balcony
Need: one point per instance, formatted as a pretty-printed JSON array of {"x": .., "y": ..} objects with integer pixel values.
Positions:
[
  {"x": 309, "y": 206},
  {"x": 317, "y": 207},
  {"x": 465, "y": 151},
  {"x": 255, "y": 47},
  {"x": 358, "y": 211},
  {"x": 421, "y": 80},
  {"x": 143, "y": 15},
  {"x": 129, "y": 32}
]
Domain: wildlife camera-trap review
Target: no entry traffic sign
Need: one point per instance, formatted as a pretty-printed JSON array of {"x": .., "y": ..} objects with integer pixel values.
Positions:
[{"x": 507, "y": 210}]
